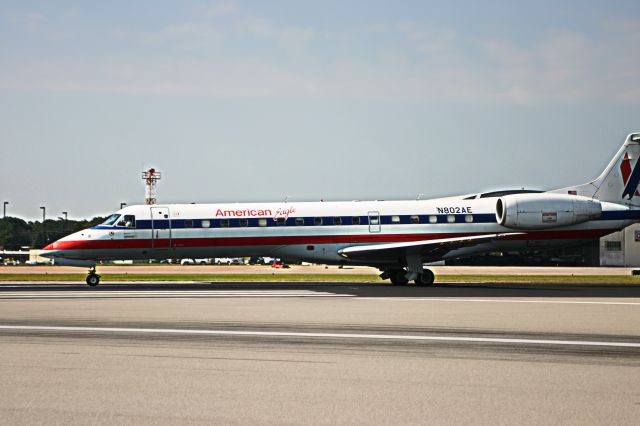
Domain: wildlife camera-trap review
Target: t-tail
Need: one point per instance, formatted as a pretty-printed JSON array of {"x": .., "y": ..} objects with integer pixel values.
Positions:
[{"x": 618, "y": 183}]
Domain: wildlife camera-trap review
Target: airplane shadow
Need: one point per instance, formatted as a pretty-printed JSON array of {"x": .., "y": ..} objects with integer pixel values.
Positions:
[{"x": 467, "y": 290}]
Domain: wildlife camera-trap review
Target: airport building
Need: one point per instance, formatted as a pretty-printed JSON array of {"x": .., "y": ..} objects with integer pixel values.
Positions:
[{"x": 621, "y": 248}]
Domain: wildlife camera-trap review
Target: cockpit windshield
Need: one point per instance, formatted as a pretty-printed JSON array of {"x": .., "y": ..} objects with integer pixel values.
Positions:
[{"x": 111, "y": 219}]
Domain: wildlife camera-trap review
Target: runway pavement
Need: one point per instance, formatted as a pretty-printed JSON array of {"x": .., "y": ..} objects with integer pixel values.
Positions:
[
  {"x": 316, "y": 269},
  {"x": 265, "y": 353}
]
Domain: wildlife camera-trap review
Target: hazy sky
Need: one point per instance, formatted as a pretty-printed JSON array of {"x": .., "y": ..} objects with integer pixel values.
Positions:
[{"x": 259, "y": 100}]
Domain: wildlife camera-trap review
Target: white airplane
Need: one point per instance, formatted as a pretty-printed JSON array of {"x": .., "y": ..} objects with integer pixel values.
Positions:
[{"x": 397, "y": 237}]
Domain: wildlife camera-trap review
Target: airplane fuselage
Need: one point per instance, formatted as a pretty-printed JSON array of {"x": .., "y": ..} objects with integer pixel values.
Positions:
[{"x": 313, "y": 231}]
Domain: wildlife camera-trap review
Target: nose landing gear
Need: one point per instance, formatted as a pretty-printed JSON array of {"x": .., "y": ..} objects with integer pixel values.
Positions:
[{"x": 93, "y": 279}]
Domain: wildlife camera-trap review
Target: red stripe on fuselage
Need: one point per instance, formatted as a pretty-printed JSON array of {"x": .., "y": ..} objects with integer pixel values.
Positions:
[{"x": 310, "y": 239}]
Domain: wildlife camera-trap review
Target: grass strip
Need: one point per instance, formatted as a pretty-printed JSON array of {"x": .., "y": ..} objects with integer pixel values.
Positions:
[
  {"x": 230, "y": 277},
  {"x": 198, "y": 277}
]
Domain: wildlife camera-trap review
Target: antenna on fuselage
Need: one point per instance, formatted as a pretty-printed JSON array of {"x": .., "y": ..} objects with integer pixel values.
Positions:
[{"x": 151, "y": 178}]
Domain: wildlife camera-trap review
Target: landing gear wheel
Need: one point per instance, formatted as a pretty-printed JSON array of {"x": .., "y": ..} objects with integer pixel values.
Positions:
[
  {"x": 426, "y": 278},
  {"x": 397, "y": 277},
  {"x": 93, "y": 279}
]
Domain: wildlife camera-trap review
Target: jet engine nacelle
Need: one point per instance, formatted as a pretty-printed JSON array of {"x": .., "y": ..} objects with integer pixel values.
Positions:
[{"x": 545, "y": 211}]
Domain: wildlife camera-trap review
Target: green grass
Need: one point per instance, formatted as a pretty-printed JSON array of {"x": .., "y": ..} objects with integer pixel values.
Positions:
[
  {"x": 198, "y": 277},
  {"x": 230, "y": 277}
]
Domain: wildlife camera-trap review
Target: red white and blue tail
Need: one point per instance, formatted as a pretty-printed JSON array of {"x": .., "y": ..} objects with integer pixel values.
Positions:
[{"x": 619, "y": 181}]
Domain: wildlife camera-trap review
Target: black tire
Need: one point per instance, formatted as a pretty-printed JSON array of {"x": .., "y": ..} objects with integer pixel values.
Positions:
[
  {"x": 93, "y": 280},
  {"x": 426, "y": 278},
  {"x": 397, "y": 277}
]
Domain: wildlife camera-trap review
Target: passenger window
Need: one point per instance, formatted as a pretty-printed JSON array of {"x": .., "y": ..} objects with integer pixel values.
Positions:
[
  {"x": 355, "y": 220},
  {"x": 262, "y": 222},
  {"x": 188, "y": 223},
  {"x": 433, "y": 219},
  {"x": 205, "y": 223},
  {"x": 374, "y": 220},
  {"x": 244, "y": 222},
  {"x": 451, "y": 218},
  {"x": 395, "y": 219},
  {"x": 337, "y": 221},
  {"x": 299, "y": 221},
  {"x": 415, "y": 219},
  {"x": 468, "y": 218},
  {"x": 317, "y": 221},
  {"x": 281, "y": 221},
  {"x": 224, "y": 223}
]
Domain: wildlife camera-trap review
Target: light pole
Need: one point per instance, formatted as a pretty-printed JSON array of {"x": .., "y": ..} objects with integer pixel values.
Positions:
[
  {"x": 4, "y": 209},
  {"x": 44, "y": 229},
  {"x": 65, "y": 221},
  {"x": 122, "y": 205}
]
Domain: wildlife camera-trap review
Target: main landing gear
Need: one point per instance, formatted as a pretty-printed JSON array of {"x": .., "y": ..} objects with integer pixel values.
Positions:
[
  {"x": 399, "y": 277},
  {"x": 412, "y": 272},
  {"x": 93, "y": 279},
  {"x": 426, "y": 278}
]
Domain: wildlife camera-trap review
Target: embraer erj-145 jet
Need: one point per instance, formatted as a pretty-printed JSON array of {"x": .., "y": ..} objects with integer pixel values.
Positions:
[{"x": 397, "y": 237}]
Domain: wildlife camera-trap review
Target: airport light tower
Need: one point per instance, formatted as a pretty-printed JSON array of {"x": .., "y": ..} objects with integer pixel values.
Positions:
[{"x": 151, "y": 178}]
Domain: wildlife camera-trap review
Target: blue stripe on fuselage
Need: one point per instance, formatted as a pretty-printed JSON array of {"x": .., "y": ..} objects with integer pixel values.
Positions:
[
  {"x": 336, "y": 221},
  {"x": 291, "y": 221}
]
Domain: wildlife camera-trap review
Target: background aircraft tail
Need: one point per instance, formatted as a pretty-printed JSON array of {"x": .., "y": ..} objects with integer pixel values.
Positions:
[{"x": 618, "y": 183}]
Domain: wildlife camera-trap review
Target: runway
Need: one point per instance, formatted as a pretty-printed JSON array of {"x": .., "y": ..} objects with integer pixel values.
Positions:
[{"x": 319, "y": 353}]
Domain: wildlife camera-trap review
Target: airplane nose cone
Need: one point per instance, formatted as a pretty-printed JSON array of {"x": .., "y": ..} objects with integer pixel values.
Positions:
[
  {"x": 50, "y": 251},
  {"x": 63, "y": 248}
]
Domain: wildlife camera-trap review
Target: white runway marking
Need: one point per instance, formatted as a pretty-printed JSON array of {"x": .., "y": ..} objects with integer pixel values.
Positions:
[
  {"x": 165, "y": 294},
  {"x": 550, "y": 302},
  {"x": 348, "y": 336}
]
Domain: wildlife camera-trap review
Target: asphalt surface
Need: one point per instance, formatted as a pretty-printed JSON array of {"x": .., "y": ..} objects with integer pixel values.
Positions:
[
  {"x": 292, "y": 353},
  {"x": 315, "y": 269}
]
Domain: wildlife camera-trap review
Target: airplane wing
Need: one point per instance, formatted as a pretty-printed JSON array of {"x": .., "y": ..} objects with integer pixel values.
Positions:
[{"x": 428, "y": 249}]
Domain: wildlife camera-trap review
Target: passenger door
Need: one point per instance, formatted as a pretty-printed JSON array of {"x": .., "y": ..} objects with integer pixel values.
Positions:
[
  {"x": 160, "y": 228},
  {"x": 374, "y": 221}
]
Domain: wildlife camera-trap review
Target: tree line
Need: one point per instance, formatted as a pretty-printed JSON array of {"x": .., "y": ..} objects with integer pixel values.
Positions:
[{"x": 16, "y": 233}]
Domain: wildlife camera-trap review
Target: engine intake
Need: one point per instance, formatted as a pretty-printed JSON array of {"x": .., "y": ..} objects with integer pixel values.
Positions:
[{"x": 545, "y": 211}]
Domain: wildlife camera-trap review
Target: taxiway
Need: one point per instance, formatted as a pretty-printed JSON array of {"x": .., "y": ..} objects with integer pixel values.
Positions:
[{"x": 319, "y": 353}]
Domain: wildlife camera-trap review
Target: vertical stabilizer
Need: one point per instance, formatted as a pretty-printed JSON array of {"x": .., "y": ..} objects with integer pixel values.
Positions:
[{"x": 619, "y": 181}]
